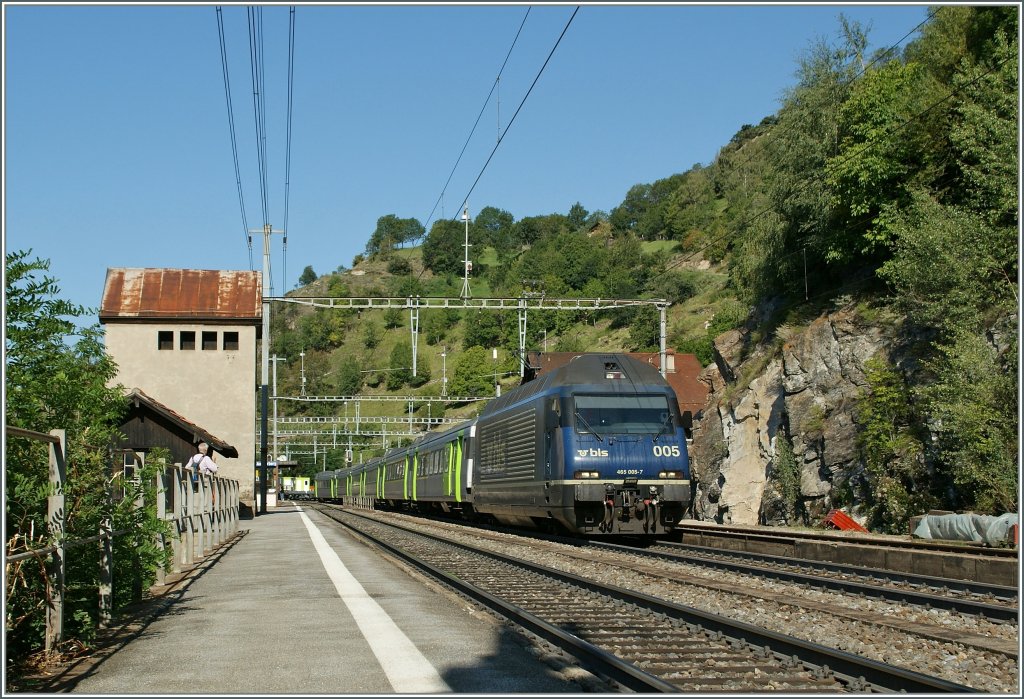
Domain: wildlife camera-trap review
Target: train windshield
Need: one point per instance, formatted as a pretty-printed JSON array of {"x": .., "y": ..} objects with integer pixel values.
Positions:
[{"x": 622, "y": 414}]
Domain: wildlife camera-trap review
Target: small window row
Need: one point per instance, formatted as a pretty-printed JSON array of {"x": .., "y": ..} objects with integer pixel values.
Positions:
[{"x": 187, "y": 340}]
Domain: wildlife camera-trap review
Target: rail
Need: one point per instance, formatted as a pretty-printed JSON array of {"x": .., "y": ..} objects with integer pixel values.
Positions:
[{"x": 202, "y": 515}]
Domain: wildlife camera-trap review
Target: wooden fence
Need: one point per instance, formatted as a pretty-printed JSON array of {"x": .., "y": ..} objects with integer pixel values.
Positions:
[{"x": 203, "y": 515}]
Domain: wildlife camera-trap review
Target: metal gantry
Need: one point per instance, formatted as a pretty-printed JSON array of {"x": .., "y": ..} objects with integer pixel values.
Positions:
[{"x": 521, "y": 305}]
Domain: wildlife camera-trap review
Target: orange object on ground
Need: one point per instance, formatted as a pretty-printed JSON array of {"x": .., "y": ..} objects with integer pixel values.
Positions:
[{"x": 841, "y": 520}]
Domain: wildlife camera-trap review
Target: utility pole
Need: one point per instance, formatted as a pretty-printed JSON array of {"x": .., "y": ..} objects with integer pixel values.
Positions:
[
  {"x": 275, "y": 359},
  {"x": 302, "y": 370},
  {"x": 444, "y": 370},
  {"x": 466, "y": 262},
  {"x": 265, "y": 371}
]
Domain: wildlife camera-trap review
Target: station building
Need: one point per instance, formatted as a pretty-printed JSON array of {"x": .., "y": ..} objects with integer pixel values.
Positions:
[{"x": 187, "y": 338}]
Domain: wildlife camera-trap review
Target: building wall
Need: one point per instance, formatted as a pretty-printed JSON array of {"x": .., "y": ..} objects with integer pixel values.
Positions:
[{"x": 215, "y": 388}]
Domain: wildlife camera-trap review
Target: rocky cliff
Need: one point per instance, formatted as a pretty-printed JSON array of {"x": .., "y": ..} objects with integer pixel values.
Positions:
[{"x": 802, "y": 386}]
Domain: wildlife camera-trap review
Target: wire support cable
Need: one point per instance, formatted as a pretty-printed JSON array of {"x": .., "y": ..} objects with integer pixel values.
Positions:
[
  {"x": 255, "y": 56},
  {"x": 231, "y": 130},
  {"x": 288, "y": 141},
  {"x": 863, "y": 149},
  {"x": 255, "y": 17},
  {"x": 504, "y": 133},
  {"x": 863, "y": 71},
  {"x": 487, "y": 99}
]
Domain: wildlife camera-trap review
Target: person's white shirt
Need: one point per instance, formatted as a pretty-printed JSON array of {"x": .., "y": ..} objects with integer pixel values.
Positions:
[{"x": 205, "y": 464}]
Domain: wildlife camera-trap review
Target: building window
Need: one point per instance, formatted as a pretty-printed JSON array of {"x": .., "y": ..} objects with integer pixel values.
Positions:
[
  {"x": 165, "y": 340},
  {"x": 209, "y": 340},
  {"x": 230, "y": 340},
  {"x": 187, "y": 340}
]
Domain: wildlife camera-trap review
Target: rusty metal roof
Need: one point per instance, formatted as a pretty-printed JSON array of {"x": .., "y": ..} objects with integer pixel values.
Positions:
[{"x": 181, "y": 294}]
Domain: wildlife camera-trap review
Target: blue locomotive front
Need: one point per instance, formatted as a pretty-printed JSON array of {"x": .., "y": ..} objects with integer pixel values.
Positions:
[
  {"x": 595, "y": 447},
  {"x": 624, "y": 457}
]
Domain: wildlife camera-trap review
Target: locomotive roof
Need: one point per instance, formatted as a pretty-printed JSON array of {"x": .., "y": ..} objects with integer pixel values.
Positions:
[{"x": 584, "y": 369}]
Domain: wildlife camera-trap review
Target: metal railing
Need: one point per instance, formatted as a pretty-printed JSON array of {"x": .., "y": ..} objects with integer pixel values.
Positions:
[{"x": 203, "y": 514}]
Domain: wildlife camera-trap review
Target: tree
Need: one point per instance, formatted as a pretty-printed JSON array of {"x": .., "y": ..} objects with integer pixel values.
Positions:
[
  {"x": 645, "y": 330},
  {"x": 53, "y": 384},
  {"x": 881, "y": 153},
  {"x": 308, "y": 276},
  {"x": 400, "y": 370},
  {"x": 984, "y": 133},
  {"x": 472, "y": 374},
  {"x": 577, "y": 217},
  {"x": 492, "y": 226},
  {"x": 392, "y": 318},
  {"x": 891, "y": 446},
  {"x": 482, "y": 329},
  {"x": 443, "y": 251},
  {"x": 371, "y": 334},
  {"x": 392, "y": 231},
  {"x": 350, "y": 376}
]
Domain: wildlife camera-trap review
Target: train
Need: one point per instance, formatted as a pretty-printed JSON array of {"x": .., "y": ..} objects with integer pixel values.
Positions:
[{"x": 597, "y": 447}]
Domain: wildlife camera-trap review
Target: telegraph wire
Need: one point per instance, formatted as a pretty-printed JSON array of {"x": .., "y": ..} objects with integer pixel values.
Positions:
[
  {"x": 255, "y": 17},
  {"x": 475, "y": 123},
  {"x": 288, "y": 147},
  {"x": 465, "y": 199},
  {"x": 858, "y": 76},
  {"x": 864, "y": 148},
  {"x": 231, "y": 129}
]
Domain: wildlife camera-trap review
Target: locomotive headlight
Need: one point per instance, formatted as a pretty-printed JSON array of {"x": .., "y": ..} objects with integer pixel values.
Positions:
[
  {"x": 581, "y": 475},
  {"x": 670, "y": 474}
]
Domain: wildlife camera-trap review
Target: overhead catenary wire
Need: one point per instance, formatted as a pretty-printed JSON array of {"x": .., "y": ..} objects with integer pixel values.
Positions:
[
  {"x": 440, "y": 199},
  {"x": 231, "y": 129},
  {"x": 255, "y": 21},
  {"x": 288, "y": 146},
  {"x": 504, "y": 133}
]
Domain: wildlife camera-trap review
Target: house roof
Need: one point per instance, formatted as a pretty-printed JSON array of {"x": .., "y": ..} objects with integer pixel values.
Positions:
[
  {"x": 139, "y": 399},
  {"x": 141, "y": 294}
]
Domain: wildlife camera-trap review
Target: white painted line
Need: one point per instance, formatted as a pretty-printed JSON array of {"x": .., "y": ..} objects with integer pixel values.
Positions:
[{"x": 406, "y": 668}]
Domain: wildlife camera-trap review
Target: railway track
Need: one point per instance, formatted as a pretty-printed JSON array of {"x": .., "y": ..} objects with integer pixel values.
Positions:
[
  {"x": 995, "y": 602},
  {"x": 641, "y": 642},
  {"x": 689, "y": 528}
]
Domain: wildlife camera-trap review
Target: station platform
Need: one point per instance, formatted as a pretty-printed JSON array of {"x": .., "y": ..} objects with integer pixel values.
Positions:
[{"x": 293, "y": 605}]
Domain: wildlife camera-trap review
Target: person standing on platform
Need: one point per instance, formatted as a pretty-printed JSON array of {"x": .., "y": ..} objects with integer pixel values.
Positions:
[{"x": 201, "y": 464}]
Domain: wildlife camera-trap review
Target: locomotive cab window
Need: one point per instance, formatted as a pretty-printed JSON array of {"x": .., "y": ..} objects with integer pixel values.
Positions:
[{"x": 619, "y": 414}]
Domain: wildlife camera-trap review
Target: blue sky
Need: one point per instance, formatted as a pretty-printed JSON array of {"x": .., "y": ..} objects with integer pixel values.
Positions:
[{"x": 117, "y": 150}]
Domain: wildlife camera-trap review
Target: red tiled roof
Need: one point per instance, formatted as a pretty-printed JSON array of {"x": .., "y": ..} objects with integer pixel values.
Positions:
[
  {"x": 181, "y": 294},
  {"x": 691, "y": 393}
]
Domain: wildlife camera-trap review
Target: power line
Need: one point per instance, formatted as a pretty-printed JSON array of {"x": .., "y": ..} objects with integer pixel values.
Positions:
[
  {"x": 231, "y": 129},
  {"x": 288, "y": 147},
  {"x": 864, "y": 148},
  {"x": 255, "y": 56},
  {"x": 475, "y": 123},
  {"x": 465, "y": 199},
  {"x": 777, "y": 134},
  {"x": 784, "y": 129}
]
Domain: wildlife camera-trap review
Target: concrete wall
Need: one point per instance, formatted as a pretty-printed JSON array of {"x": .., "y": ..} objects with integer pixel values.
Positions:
[{"x": 214, "y": 389}]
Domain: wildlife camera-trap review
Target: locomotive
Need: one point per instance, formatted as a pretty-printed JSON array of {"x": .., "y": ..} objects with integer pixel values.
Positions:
[{"x": 596, "y": 447}]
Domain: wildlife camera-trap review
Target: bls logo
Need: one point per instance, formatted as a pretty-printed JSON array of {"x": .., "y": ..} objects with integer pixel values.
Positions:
[{"x": 592, "y": 452}]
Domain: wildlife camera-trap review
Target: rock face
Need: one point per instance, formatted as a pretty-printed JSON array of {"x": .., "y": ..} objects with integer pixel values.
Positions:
[{"x": 805, "y": 392}]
